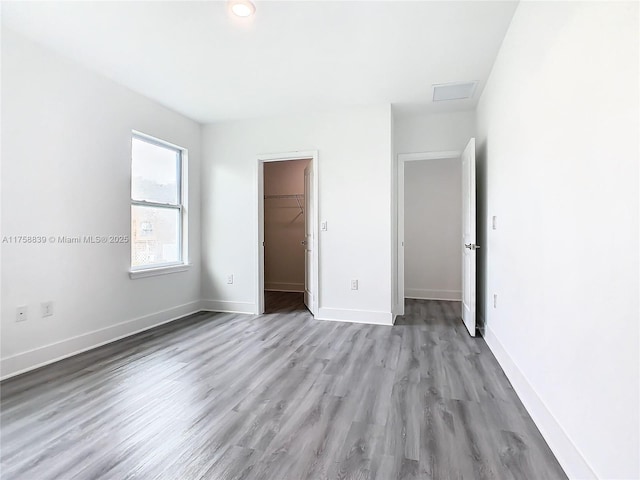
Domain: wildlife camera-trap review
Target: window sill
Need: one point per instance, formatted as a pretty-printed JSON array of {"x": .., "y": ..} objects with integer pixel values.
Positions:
[{"x": 152, "y": 272}]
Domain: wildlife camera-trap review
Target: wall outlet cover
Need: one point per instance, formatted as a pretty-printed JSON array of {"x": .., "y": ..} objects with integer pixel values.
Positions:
[{"x": 21, "y": 313}]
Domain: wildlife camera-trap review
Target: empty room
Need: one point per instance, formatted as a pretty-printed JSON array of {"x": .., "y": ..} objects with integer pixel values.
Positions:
[{"x": 291, "y": 240}]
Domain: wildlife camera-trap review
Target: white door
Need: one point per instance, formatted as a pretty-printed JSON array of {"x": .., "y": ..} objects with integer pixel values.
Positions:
[
  {"x": 469, "y": 246},
  {"x": 308, "y": 237}
]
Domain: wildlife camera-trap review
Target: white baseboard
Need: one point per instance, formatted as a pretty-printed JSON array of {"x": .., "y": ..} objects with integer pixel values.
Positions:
[
  {"x": 284, "y": 287},
  {"x": 569, "y": 456},
  {"x": 228, "y": 306},
  {"x": 41, "y": 356},
  {"x": 422, "y": 294},
  {"x": 398, "y": 309},
  {"x": 355, "y": 316}
]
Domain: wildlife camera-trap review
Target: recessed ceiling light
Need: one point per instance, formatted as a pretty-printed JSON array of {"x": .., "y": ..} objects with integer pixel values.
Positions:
[{"x": 242, "y": 8}]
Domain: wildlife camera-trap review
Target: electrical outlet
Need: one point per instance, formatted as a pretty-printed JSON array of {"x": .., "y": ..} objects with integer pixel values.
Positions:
[
  {"x": 323, "y": 225},
  {"x": 494, "y": 222},
  {"x": 21, "y": 313},
  {"x": 230, "y": 279},
  {"x": 354, "y": 284},
  {"x": 495, "y": 300},
  {"x": 46, "y": 308}
]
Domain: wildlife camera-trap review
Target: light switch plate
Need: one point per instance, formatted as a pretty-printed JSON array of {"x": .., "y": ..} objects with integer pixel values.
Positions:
[{"x": 46, "y": 308}]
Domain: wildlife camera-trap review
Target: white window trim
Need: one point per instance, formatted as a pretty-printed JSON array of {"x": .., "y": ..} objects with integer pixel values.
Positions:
[
  {"x": 155, "y": 271},
  {"x": 184, "y": 265}
]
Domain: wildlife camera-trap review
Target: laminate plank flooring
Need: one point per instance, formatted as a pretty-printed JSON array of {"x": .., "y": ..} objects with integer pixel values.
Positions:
[{"x": 279, "y": 396}]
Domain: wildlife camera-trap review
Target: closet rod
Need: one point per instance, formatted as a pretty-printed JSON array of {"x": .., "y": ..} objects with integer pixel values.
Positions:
[{"x": 297, "y": 196}]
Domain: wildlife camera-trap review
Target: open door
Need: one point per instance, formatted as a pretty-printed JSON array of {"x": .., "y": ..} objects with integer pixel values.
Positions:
[
  {"x": 469, "y": 246},
  {"x": 309, "y": 288}
]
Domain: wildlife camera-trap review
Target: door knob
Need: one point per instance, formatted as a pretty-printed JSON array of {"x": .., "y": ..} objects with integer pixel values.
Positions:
[{"x": 471, "y": 246}]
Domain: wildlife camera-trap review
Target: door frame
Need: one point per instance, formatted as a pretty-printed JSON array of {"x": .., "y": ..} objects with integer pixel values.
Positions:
[
  {"x": 259, "y": 231},
  {"x": 401, "y": 159}
]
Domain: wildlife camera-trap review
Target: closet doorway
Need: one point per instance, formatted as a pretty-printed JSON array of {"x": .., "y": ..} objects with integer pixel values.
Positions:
[
  {"x": 437, "y": 229},
  {"x": 430, "y": 221},
  {"x": 286, "y": 235}
]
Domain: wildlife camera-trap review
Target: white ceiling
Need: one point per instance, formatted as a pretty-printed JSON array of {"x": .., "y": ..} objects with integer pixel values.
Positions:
[{"x": 290, "y": 57}]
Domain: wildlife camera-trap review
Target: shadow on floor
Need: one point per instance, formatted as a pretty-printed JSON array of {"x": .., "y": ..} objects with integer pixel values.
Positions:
[{"x": 283, "y": 302}]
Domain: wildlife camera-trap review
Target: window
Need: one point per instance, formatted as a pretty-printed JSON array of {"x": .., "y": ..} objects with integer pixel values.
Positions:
[{"x": 158, "y": 220}]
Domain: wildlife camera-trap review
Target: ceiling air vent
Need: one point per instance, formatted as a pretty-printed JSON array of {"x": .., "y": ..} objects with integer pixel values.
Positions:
[{"x": 453, "y": 91}]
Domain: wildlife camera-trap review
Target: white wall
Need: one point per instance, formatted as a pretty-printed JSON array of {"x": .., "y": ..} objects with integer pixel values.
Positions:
[
  {"x": 354, "y": 194},
  {"x": 433, "y": 132},
  {"x": 66, "y": 171},
  {"x": 284, "y": 226},
  {"x": 558, "y": 143},
  {"x": 432, "y": 229}
]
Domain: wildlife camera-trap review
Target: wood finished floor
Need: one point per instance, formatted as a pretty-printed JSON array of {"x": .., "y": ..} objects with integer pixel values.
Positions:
[{"x": 276, "y": 397}]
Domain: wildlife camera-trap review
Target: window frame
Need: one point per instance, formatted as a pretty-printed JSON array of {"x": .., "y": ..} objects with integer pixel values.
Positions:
[{"x": 141, "y": 271}]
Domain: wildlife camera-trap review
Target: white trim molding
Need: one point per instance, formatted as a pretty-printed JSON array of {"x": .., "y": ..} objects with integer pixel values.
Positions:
[
  {"x": 226, "y": 306},
  {"x": 152, "y": 272},
  {"x": 41, "y": 356},
  {"x": 414, "y": 157},
  {"x": 355, "y": 316},
  {"x": 400, "y": 161},
  {"x": 259, "y": 223},
  {"x": 571, "y": 459}
]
